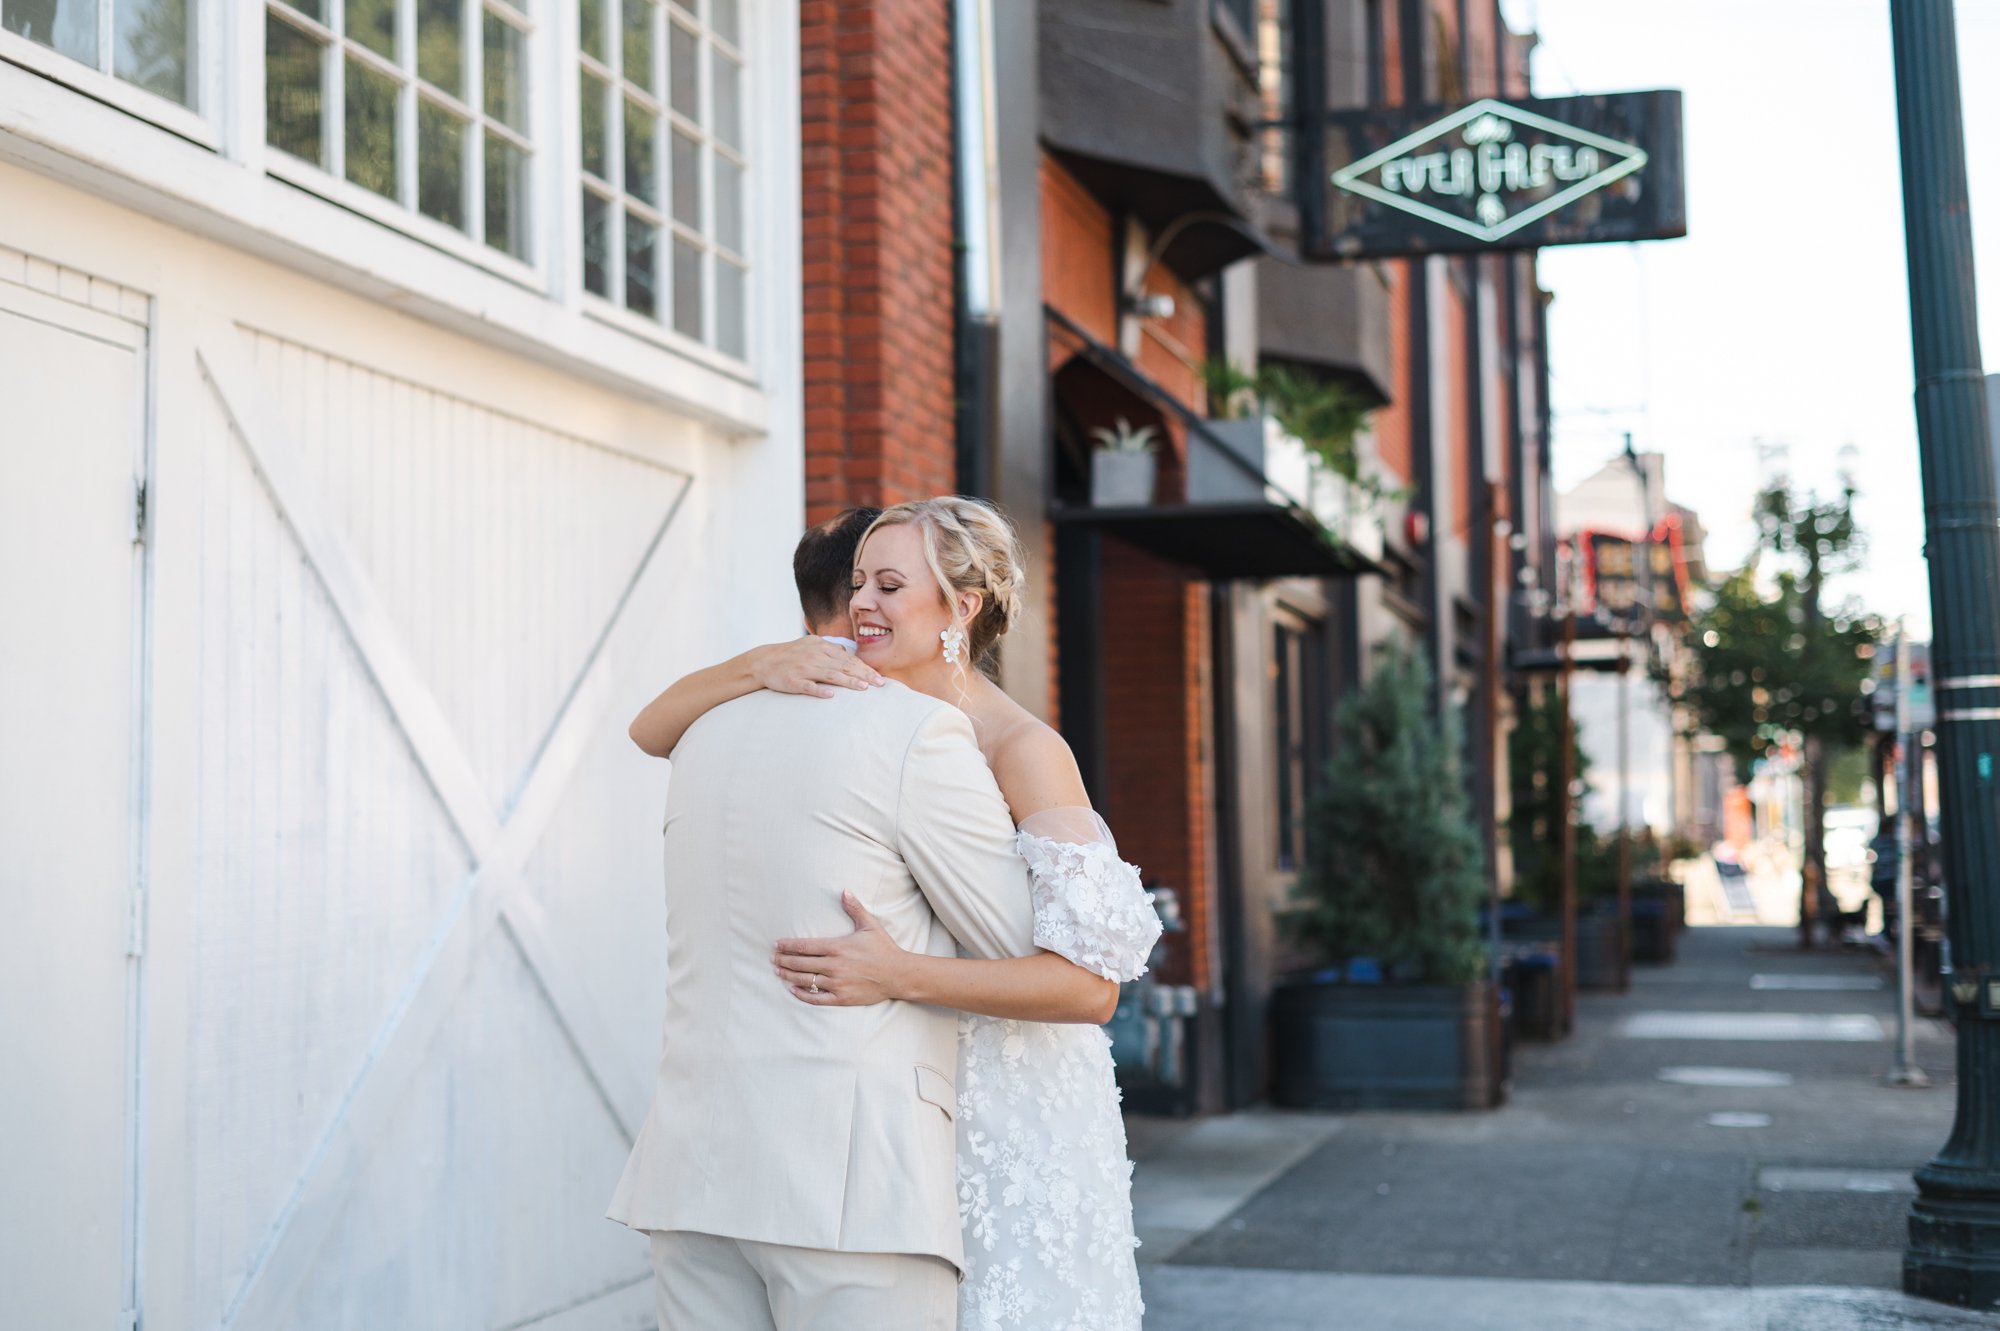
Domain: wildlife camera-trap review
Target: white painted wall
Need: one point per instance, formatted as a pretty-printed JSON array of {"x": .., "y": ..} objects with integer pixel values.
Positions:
[
  {"x": 345, "y": 735},
  {"x": 68, "y": 658}
]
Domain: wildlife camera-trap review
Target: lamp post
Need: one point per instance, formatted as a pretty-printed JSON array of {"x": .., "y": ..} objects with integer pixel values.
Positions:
[{"x": 1954, "y": 1245}]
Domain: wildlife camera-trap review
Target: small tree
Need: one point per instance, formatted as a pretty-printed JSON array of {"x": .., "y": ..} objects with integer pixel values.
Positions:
[
  {"x": 1394, "y": 866},
  {"x": 1769, "y": 664},
  {"x": 1537, "y": 809}
]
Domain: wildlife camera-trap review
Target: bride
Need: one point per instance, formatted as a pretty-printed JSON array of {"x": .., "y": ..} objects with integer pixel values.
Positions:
[{"x": 1043, "y": 1181}]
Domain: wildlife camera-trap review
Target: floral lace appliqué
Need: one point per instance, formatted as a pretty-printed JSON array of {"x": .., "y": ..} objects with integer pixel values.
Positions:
[
  {"x": 1090, "y": 906},
  {"x": 1044, "y": 1186}
]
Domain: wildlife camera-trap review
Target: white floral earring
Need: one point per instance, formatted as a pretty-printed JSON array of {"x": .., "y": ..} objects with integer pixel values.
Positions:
[{"x": 953, "y": 639}]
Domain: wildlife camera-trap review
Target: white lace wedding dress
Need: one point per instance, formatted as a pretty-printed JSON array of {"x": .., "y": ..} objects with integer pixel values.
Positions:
[{"x": 1044, "y": 1186}]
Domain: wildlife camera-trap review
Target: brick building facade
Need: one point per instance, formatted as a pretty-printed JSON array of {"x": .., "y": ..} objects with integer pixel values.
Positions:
[
  {"x": 1161, "y": 646},
  {"x": 875, "y": 112}
]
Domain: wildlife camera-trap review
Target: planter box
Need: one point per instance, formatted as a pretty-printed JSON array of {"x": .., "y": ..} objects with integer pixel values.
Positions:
[
  {"x": 1600, "y": 964},
  {"x": 1362, "y": 1046},
  {"x": 1537, "y": 996},
  {"x": 1671, "y": 896},
  {"x": 1234, "y": 472},
  {"x": 1121, "y": 480}
]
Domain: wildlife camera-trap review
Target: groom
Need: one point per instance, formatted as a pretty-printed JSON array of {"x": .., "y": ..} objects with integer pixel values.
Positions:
[{"x": 797, "y": 1169}]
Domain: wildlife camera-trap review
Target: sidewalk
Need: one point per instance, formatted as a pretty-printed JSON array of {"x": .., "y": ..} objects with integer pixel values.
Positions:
[{"x": 1714, "y": 1149}]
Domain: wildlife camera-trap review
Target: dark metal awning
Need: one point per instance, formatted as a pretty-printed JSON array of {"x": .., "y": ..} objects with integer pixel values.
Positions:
[
  {"x": 1227, "y": 541},
  {"x": 1276, "y": 536}
]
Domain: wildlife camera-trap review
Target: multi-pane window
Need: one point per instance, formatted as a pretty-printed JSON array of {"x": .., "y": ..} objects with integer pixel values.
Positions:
[
  {"x": 662, "y": 124},
  {"x": 424, "y": 102},
  {"x": 1274, "y": 37},
  {"x": 1299, "y": 687},
  {"x": 150, "y": 43}
]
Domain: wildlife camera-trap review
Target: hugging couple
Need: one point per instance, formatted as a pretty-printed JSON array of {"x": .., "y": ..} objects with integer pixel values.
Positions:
[{"x": 894, "y": 929}]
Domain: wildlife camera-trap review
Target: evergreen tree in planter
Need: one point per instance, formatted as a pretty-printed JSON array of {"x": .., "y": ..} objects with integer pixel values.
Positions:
[
  {"x": 1539, "y": 806},
  {"x": 1394, "y": 874}
]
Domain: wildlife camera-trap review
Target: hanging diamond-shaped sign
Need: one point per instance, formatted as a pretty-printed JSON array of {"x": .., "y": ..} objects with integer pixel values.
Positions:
[{"x": 1503, "y": 175}]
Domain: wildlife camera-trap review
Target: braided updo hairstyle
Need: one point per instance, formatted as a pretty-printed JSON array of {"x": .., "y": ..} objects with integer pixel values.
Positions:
[{"x": 970, "y": 546}]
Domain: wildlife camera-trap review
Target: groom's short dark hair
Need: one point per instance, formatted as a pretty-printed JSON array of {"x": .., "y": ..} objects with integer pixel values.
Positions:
[{"x": 823, "y": 564}]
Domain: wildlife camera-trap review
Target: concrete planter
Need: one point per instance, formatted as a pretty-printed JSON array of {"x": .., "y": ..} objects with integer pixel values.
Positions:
[
  {"x": 1121, "y": 480},
  {"x": 1217, "y": 477},
  {"x": 1388, "y": 1046}
]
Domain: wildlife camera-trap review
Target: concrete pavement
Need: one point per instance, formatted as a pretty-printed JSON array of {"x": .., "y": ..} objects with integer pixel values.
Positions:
[
  {"x": 1713, "y": 1149},
  {"x": 1195, "y": 1298}
]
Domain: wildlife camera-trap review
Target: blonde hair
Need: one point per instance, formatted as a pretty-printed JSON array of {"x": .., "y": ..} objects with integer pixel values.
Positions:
[{"x": 970, "y": 547}]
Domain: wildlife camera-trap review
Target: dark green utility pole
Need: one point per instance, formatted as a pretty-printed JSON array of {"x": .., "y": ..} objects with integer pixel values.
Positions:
[{"x": 1954, "y": 1250}]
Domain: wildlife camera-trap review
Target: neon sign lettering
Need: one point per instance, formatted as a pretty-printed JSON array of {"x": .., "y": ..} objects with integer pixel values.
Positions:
[{"x": 1482, "y": 154}]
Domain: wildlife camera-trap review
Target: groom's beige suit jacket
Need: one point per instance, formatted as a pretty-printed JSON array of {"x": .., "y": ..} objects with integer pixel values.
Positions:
[{"x": 774, "y": 1120}]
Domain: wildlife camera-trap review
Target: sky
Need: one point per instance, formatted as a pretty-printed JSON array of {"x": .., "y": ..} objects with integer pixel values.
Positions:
[{"x": 1777, "y": 332}]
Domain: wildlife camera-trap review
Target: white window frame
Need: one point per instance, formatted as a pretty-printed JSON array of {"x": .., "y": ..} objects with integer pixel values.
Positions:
[
  {"x": 214, "y": 175},
  {"x": 614, "y": 312},
  {"x": 196, "y": 125},
  {"x": 332, "y": 183}
]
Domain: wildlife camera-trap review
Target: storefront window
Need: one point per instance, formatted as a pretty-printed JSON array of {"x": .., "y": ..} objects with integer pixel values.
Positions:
[
  {"x": 662, "y": 126},
  {"x": 430, "y": 105},
  {"x": 147, "y": 43}
]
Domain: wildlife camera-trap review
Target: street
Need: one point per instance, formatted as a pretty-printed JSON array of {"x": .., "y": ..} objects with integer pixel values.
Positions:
[{"x": 1713, "y": 1149}]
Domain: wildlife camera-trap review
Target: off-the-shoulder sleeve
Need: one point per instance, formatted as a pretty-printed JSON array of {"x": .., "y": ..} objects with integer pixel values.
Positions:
[{"x": 1089, "y": 905}]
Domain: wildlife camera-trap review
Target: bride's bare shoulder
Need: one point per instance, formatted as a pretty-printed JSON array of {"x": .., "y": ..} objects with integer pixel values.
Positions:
[{"x": 1033, "y": 764}]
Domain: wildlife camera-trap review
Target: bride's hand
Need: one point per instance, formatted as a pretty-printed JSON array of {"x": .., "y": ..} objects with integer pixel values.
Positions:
[
  {"x": 863, "y": 968},
  {"x": 811, "y": 665}
]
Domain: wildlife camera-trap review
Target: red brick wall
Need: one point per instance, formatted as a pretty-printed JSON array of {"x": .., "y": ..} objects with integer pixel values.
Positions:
[
  {"x": 1168, "y": 345},
  {"x": 876, "y": 173},
  {"x": 1392, "y": 51},
  {"x": 1158, "y": 794},
  {"x": 1463, "y": 377},
  {"x": 1079, "y": 264},
  {"x": 1450, "y": 85},
  {"x": 1392, "y": 423},
  {"x": 1157, "y": 798},
  {"x": 1481, "y": 27}
]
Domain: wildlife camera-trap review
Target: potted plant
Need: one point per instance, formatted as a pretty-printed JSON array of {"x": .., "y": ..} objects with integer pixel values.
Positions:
[
  {"x": 1300, "y": 431},
  {"x": 1123, "y": 466},
  {"x": 1402, "y": 1015},
  {"x": 1658, "y": 906}
]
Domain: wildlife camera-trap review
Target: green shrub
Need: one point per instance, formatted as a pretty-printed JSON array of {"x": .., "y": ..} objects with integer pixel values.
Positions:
[{"x": 1394, "y": 866}]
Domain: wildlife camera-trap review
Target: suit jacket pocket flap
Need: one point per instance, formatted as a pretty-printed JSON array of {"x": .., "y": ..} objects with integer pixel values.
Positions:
[{"x": 936, "y": 1088}]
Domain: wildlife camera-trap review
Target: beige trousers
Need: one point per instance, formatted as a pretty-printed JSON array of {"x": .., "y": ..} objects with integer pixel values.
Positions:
[{"x": 702, "y": 1282}]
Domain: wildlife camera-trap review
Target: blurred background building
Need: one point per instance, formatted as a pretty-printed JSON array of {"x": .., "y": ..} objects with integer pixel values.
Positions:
[
  {"x": 1126, "y": 214},
  {"x": 1675, "y": 781}
]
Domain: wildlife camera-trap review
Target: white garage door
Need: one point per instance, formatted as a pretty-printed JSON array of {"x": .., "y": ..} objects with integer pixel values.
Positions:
[{"x": 72, "y": 412}]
